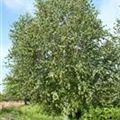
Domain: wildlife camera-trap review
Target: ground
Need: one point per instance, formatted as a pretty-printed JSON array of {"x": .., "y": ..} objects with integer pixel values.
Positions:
[{"x": 11, "y": 104}]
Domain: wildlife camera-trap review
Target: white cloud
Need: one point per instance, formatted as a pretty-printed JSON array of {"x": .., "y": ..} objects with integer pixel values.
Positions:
[
  {"x": 109, "y": 12},
  {"x": 19, "y": 5}
]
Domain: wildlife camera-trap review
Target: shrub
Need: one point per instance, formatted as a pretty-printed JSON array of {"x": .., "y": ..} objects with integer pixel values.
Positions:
[
  {"x": 102, "y": 114},
  {"x": 1, "y": 97}
]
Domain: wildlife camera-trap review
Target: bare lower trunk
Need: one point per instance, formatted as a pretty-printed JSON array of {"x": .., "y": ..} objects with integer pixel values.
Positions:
[{"x": 65, "y": 117}]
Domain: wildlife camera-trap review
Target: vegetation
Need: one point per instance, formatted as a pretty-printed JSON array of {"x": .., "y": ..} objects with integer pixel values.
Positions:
[
  {"x": 102, "y": 114},
  {"x": 63, "y": 58},
  {"x": 32, "y": 112}
]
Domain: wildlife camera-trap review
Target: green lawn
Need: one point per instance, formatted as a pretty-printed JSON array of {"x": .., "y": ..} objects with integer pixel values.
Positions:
[{"x": 26, "y": 113}]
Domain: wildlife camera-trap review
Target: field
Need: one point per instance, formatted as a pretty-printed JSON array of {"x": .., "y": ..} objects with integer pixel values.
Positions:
[{"x": 29, "y": 112}]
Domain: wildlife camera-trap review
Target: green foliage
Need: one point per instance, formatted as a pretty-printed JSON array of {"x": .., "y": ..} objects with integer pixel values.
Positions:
[
  {"x": 62, "y": 55},
  {"x": 6, "y": 97},
  {"x": 102, "y": 114},
  {"x": 2, "y": 97}
]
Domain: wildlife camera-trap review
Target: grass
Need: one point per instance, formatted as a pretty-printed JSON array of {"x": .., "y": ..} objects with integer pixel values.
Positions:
[
  {"x": 26, "y": 113},
  {"x": 35, "y": 112}
]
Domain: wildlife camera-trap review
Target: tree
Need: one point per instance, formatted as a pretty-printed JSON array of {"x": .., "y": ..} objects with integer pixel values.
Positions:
[{"x": 56, "y": 53}]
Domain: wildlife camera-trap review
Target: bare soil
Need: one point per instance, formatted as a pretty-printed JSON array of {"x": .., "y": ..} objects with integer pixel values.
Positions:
[{"x": 11, "y": 104}]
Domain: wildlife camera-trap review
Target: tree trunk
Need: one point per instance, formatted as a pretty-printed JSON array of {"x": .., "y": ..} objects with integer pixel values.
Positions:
[{"x": 65, "y": 117}]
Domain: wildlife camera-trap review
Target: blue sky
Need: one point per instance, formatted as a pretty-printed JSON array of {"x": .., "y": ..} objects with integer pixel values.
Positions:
[{"x": 10, "y": 10}]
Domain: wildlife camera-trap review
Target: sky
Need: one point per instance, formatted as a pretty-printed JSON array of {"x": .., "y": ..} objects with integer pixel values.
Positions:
[{"x": 10, "y": 10}]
